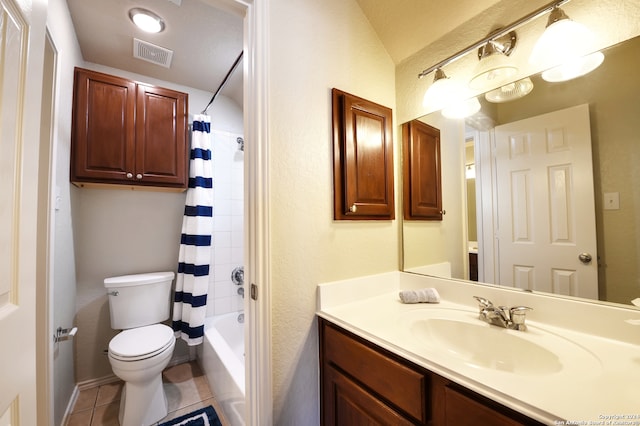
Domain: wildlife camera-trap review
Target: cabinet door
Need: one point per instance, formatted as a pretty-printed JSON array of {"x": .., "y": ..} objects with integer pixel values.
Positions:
[
  {"x": 345, "y": 403},
  {"x": 161, "y": 139},
  {"x": 462, "y": 410},
  {"x": 421, "y": 172},
  {"x": 363, "y": 159},
  {"x": 103, "y": 127}
]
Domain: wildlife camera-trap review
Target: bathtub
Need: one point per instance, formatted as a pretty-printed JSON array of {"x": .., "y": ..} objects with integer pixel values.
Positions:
[{"x": 221, "y": 356}]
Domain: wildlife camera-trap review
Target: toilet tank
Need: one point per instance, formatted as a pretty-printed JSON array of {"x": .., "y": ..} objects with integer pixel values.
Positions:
[{"x": 139, "y": 300}]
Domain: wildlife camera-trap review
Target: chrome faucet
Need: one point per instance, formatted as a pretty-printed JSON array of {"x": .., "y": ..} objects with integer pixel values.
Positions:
[{"x": 511, "y": 318}]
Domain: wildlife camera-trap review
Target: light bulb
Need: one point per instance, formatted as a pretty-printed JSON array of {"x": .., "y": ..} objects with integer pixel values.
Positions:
[{"x": 146, "y": 20}]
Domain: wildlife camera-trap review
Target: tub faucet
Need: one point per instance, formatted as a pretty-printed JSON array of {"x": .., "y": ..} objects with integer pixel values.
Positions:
[{"x": 511, "y": 318}]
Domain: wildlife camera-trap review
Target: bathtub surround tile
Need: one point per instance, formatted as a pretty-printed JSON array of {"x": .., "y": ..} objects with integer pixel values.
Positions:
[
  {"x": 223, "y": 305},
  {"x": 228, "y": 220},
  {"x": 185, "y": 384}
]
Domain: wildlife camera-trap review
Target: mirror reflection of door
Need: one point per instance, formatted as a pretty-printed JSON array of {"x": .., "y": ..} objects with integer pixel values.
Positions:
[
  {"x": 544, "y": 191},
  {"x": 472, "y": 228}
]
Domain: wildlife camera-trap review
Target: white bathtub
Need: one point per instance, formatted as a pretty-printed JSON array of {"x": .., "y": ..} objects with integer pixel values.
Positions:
[{"x": 222, "y": 359}]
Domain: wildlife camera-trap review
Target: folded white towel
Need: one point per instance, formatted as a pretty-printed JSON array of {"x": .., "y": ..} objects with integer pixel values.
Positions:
[{"x": 424, "y": 295}]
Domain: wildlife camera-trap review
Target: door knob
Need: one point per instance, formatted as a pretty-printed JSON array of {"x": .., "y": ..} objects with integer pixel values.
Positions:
[
  {"x": 585, "y": 258},
  {"x": 353, "y": 208},
  {"x": 129, "y": 175}
]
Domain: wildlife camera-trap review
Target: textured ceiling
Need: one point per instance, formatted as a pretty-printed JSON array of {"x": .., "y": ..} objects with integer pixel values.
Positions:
[
  {"x": 406, "y": 26},
  {"x": 205, "y": 40},
  {"x": 206, "y": 36}
]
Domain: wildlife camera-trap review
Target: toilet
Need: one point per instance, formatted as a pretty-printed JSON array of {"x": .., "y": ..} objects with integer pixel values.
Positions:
[{"x": 138, "y": 304}]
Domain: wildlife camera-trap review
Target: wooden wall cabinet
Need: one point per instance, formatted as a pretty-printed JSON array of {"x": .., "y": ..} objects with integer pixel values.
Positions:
[
  {"x": 128, "y": 133},
  {"x": 363, "y": 159},
  {"x": 422, "y": 186},
  {"x": 363, "y": 384}
]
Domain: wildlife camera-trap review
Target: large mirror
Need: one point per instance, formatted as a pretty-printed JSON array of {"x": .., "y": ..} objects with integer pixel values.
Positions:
[{"x": 491, "y": 203}]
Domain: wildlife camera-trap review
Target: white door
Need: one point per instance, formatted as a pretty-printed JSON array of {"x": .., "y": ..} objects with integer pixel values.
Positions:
[
  {"x": 22, "y": 26},
  {"x": 546, "y": 204}
]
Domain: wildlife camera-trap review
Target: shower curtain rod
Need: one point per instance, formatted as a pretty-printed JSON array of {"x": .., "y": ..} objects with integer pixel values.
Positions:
[{"x": 226, "y": 78}]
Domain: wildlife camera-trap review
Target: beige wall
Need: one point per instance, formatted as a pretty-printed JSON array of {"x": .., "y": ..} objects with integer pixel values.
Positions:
[
  {"x": 314, "y": 46},
  {"x": 63, "y": 280}
]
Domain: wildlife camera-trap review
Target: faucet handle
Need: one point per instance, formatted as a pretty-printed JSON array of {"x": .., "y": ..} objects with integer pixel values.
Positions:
[
  {"x": 484, "y": 303},
  {"x": 519, "y": 315}
]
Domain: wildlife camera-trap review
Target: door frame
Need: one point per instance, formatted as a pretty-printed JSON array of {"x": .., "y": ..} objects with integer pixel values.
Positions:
[
  {"x": 258, "y": 382},
  {"x": 44, "y": 272}
]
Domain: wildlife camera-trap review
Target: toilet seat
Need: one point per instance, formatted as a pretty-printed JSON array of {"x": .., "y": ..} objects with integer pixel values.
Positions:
[{"x": 141, "y": 343}]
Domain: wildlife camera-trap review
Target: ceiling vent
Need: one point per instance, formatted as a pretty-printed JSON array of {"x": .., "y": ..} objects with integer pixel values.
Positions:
[{"x": 152, "y": 53}]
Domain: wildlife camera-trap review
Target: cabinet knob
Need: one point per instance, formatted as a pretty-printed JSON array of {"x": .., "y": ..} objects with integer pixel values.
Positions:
[
  {"x": 129, "y": 175},
  {"x": 138, "y": 176},
  {"x": 353, "y": 208}
]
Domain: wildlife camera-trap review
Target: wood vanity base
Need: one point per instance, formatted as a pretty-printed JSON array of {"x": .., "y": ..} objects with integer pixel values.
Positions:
[{"x": 363, "y": 384}]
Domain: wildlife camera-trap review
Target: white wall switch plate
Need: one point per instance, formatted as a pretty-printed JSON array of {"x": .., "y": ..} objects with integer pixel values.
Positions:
[{"x": 611, "y": 201}]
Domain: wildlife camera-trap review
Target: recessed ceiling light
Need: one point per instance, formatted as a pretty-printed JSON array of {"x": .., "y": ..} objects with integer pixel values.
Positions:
[{"x": 146, "y": 20}]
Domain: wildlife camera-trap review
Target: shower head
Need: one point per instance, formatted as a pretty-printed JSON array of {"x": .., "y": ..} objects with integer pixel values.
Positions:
[{"x": 240, "y": 144}]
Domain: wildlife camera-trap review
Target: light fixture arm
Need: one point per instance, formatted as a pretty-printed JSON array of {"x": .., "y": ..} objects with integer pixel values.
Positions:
[{"x": 525, "y": 19}]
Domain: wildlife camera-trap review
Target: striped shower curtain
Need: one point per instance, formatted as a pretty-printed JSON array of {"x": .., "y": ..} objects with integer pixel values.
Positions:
[{"x": 192, "y": 281}]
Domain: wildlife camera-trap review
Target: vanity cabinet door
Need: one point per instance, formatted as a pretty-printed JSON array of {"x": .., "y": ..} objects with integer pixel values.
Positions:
[
  {"x": 421, "y": 172},
  {"x": 363, "y": 384},
  {"x": 360, "y": 380},
  {"x": 462, "y": 409},
  {"x": 350, "y": 404},
  {"x": 363, "y": 159}
]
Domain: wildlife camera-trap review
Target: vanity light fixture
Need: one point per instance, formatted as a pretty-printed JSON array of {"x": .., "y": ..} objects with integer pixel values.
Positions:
[
  {"x": 450, "y": 96},
  {"x": 564, "y": 50},
  {"x": 495, "y": 67},
  {"x": 146, "y": 20},
  {"x": 494, "y": 41},
  {"x": 510, "y": 91}
]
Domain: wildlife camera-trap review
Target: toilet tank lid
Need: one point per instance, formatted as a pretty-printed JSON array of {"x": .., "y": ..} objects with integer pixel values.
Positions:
[{"x": 137, "y": 279}]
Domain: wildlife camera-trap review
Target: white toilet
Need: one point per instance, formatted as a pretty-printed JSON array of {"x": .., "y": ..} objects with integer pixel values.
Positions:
[{"x": 138, "y": 354}]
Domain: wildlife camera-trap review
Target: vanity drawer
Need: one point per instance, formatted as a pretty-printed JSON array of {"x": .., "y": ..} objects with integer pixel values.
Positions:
[{"x": 399, "y": 384}]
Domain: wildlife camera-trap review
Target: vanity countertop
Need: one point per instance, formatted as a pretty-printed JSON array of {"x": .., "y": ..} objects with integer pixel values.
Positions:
[{"x": 604, "y": 389}]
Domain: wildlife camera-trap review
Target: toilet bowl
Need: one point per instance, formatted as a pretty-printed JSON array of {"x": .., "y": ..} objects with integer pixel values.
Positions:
[
  {"x": 138, "y": 356},
  {"x": 138, "y": 304}
]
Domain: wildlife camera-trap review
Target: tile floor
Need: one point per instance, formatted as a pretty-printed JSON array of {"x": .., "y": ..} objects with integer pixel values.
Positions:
[{"x": 185, "y": 385}]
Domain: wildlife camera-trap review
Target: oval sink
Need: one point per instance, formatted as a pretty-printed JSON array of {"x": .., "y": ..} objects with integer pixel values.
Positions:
[
  {"x": 461, "y": 334},
  {"x": 488, "y": 347}
]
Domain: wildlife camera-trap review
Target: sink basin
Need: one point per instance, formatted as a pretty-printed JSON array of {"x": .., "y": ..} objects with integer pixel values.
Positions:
[
  {"x": 460, "y": 334},
  {"x": 488, "y": 346}
]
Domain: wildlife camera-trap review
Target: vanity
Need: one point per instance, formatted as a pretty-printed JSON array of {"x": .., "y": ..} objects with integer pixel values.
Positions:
[{"x": 385, "y": 362}]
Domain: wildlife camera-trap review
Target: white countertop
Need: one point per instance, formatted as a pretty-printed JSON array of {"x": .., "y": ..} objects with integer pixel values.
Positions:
[{"x": 602, "y": 386}]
